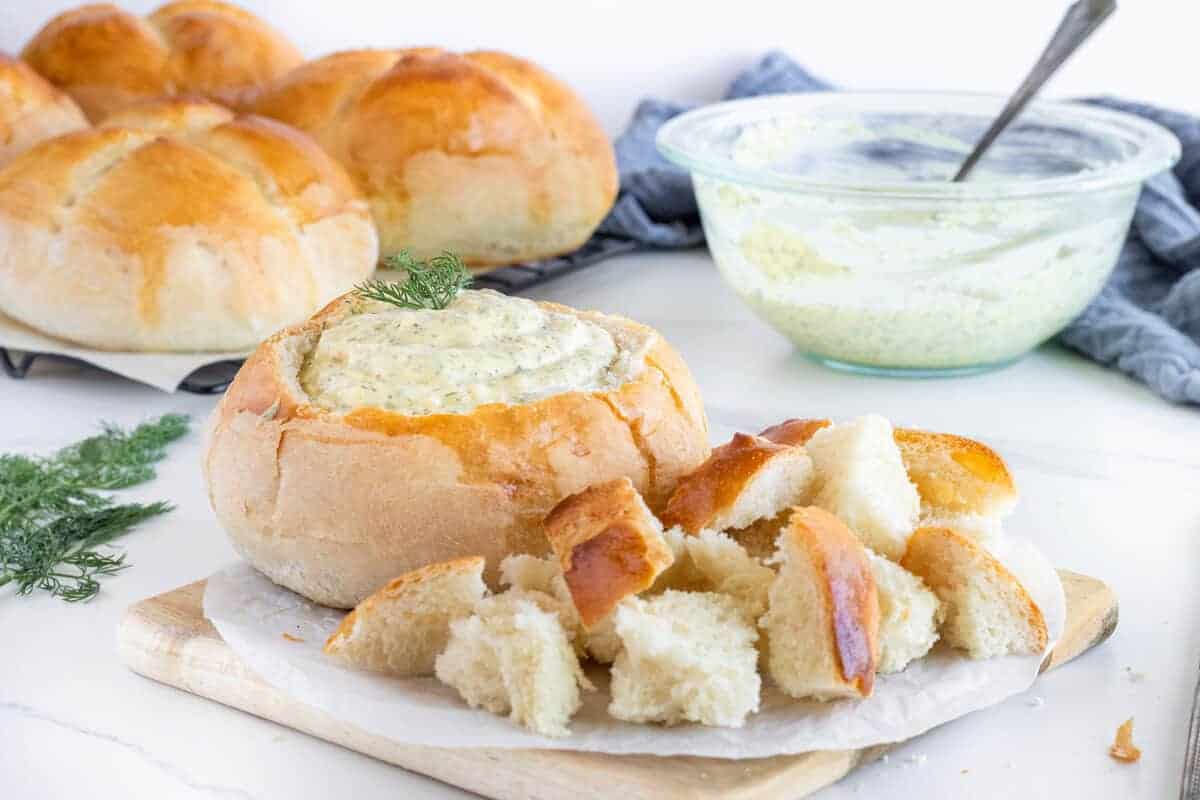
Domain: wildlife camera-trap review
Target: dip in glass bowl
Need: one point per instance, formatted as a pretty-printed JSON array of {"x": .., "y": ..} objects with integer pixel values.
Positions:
[{"x": 833, "y": 216}]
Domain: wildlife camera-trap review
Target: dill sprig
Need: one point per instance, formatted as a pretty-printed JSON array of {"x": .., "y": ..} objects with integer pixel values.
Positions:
[
  {"x": 431, "y": 284},
  {"x": 53, "y": 523}
]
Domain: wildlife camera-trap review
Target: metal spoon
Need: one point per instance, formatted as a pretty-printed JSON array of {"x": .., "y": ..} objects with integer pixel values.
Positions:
[{"x": 1081, "y": 19}]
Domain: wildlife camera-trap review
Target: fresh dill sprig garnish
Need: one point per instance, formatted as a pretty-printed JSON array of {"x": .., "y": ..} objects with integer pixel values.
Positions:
[
  {"x": 431, "y": 284},
  {"x": 53, "y": 522}
]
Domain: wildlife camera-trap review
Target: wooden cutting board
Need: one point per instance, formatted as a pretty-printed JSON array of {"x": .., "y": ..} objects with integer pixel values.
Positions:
[{"x": 168, "y": 639}]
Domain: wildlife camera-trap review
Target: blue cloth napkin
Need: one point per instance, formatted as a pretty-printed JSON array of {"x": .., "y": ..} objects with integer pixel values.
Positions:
[{"x": 1146, "y": 321}]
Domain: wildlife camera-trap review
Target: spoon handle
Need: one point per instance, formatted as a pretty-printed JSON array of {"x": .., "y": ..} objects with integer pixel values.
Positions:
[{"x": 1081, "y": 19}]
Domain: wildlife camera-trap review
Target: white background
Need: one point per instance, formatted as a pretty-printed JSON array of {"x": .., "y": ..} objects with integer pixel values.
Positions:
[{"x": 617, "y": 51}]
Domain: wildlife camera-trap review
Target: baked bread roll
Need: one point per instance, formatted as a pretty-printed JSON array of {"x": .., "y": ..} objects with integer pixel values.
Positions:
[
  {"x": 31, "y": 109},
  {"x": 187, "y": 229},
  {"x": 482, "y": 154},
  {"x": 107, "y": 58},
  {"x": 401, "y": 629},
  {"x": 988, "y": 612},
  {"x": 686, "y": 657},
  {"x": 822, "y": 623},
  {"x": 371, "y": 440},
  {"x": 609, "y": 547},
  {"x": 511, "y": 657}
]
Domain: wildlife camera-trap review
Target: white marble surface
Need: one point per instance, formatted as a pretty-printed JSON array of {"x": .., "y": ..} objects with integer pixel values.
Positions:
[{"x": 1109, "y": 475}]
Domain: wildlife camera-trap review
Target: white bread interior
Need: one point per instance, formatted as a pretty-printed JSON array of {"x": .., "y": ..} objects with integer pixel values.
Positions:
[
  {"x": 861, "y": 479},
  {"x": 511, "y": 657},
  {"x": 400, "y": 629},
  {"x": 687, "y": 657},
  {"x": 713, "y": 562},
  {"x": 822, "y": 623},
  {"x": 988, "y": 612},
  {"x": 909, "y": 613}
]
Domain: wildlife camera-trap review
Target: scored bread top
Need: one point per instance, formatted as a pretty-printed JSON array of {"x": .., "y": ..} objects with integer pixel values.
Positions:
[
  {"x": 482, "y": 153},
  {"x": 31, "y": 109},
  {"x": 709, "y": 496},
  {"x": 187, "y": 227},
  {"x": 848, "y": 588},
  {"x": 953, "y": 474},
  {"x": 107, "y": 58},
  {"x": 609, "y": 546}
]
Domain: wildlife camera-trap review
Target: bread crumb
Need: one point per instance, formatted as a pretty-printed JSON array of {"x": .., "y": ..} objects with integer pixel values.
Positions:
[
  {"x": 291, "y": 638},
  {"x": 1123, "y": 748},
  {"x": 1134, "y": 676},
  {"x": 1035, "y": 702},
  {"x": 963, "y": 771}
]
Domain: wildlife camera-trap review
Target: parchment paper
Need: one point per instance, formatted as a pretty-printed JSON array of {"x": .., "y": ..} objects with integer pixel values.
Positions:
[
  {"x": 163, "y": 371},
  {"x": 252, "y": 614}
]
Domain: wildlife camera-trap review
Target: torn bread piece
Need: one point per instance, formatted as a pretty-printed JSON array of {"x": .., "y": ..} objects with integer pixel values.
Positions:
[
  {"x": 822, "y": 623},
  {"x": 609, "y": 547},
  {"x": 860, "y": 478},
  {"x": 955, "y": 475},
  {"x": 400, "y": 629},
  {"x": 713, "y": 562},
  {"x": 542, "y": 580},
  {"x": 909, "y": 613},
  {"x": 743, "y": 481},
  {"x": 988, "y": 611},
  {"x": 512, "y": 657},
  {"x": 687, "y": 657}
]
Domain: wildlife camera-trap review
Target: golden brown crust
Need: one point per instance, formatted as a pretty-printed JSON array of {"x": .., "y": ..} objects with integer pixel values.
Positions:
[
  {"x": 795, "y": 432},
  {"x": 848, "y": 587},
  {"x": 953, "y": 474},
  {"x": 413, "y": 490},
  {"x": 924, "y": 555},
  {"x": 609, "y": 546},
  {"x": 197, "y": 230},
  {"x": 395, "y": 588},
  {"x": 31, "y": 110},
  {"x": 956, "y": 475},
  {"x": 107, "y": 58},
  {"x": 714, "y": 486},
  {"x": 540, "y": 171}
]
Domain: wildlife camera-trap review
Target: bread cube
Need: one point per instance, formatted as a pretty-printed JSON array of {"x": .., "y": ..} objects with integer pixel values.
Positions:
[
  {"x": 686, "y": 657},
  {"x": 909, "y": 613},
  {"x": 512, "y": 657}
]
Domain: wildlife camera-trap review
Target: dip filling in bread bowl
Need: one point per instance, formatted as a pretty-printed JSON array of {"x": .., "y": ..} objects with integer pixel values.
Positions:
[{"x": 372, "y": 440}]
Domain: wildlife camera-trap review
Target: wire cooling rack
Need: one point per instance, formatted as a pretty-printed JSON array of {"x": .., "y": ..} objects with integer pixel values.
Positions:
[{"x": 215, "y": 378}]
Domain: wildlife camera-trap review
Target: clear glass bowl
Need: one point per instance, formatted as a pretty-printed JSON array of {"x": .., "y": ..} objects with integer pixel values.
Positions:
[{"x": 833, "y": 216}]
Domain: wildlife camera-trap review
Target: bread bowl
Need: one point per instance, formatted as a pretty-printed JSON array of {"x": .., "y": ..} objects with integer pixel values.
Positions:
[
  {"x": 107, "y": 58},
  {"x": 333, "y": 493},
  {"x": 177, "y": 226},
  {"x": 481, "y": 153},
  {"x": 31, "y": 109}
]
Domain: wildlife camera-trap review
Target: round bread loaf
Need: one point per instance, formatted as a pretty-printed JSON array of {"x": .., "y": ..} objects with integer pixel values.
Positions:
[
  {"x": 334, "y": 499},
  {"x": 31, "y": 109},
  {"x": 177, "y": 227},
  {"x": 107, "y": 58},
  {"x": 482, "y": 154}
]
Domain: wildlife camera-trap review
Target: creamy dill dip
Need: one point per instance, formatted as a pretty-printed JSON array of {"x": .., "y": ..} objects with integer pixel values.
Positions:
[
  {"x": 833, "y": 216},
  {"x": 483, "y": 348}
]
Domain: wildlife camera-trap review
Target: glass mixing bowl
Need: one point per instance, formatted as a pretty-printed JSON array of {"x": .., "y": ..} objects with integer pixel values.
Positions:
[{"x": 833, "y": 216}]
